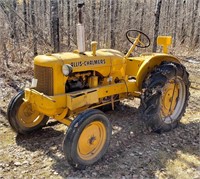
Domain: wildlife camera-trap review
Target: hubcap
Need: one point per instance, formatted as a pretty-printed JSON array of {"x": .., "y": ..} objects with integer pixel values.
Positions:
[
  {"x": 28, "y": 117},
  {"x": 92, "y": 140},
  {"x": 172, "y": 100}
]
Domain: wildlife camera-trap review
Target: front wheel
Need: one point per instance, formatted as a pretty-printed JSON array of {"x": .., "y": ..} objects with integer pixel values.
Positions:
[
  {"x": 22, "y": 118},
  {"x": 87, "y": 138},
  {"x": 165, "y": 96}
]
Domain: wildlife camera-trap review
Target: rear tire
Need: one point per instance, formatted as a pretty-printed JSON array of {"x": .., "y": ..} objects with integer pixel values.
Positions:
[
  {"x": 22, "y": 118},
  {"x": 165, "y": 96},
  {"x": 87, "y": 138}
]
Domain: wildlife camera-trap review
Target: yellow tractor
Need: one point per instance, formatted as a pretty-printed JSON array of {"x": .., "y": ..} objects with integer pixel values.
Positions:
[{"x": 69, "y": 87}]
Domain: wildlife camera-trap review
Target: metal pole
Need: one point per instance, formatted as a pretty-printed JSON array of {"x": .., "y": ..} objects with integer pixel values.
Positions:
[{"x": 80, "y": 28}]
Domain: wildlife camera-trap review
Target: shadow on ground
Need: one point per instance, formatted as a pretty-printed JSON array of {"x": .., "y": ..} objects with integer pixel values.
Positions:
[{"x": 133, "y": 151}]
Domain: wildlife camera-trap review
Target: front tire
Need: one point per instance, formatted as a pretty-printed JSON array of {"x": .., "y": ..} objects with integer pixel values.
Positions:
[
  {"x": 22, "y": 118},
  {"x": 87, "y": 138},
  {"x": 165, "y": 96}
]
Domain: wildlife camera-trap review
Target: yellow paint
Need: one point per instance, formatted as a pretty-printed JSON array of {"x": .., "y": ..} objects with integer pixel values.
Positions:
[
  {"x": 164, "y": 41},
  {"x": 120, "y": 74},
  {"x": 28, "y": 117},
  {"x": 169, "y": 98},
  {"x": 93, "y": 81},
  {"x": 91, "y": 140},
  {"x": 149, "y": 64},
  {"x": 82, "y": 98},
  {"x": 48, "y": 105},
  {"x": 94, "y": 47},
  {"x": 133, "y": 65},
  {"x": 137, "y": 40}
]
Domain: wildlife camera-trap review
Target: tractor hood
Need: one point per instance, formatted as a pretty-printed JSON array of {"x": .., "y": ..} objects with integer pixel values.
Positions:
[
  {"x": 105, "y": 62},
  {"x": 69, "y": 57}
]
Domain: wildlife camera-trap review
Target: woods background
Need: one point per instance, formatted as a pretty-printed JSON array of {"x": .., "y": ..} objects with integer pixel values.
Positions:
[{"x": 31, "y": 27}]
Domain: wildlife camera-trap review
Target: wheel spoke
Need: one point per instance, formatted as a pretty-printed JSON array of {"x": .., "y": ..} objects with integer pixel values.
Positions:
[
  {"x": 132, "y": 38},
  {"x": 141, "y": 43}
]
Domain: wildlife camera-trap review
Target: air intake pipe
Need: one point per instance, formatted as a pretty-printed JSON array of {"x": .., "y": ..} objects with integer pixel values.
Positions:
[{"x": 80, "y": 28}]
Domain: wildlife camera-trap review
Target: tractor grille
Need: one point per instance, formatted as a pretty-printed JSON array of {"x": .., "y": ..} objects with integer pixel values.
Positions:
[{"x": 45, "y": 80}]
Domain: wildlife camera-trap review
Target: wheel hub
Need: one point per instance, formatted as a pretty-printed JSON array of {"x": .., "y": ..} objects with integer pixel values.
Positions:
[
  {"x": 28, "y": 111},
  {"x": 27, "y": 117},
  {"x": 92, "y": 140}
]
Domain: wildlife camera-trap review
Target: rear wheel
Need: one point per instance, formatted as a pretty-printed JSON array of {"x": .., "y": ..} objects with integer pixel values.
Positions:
[
  {"x": 87, "y": 138},
  {"x": 165, "y": 96},
  {"x": 22, "y": 118}
]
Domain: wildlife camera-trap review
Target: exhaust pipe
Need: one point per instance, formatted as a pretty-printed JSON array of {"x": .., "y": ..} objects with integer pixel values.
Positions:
[{"x": 80, "y": 28}]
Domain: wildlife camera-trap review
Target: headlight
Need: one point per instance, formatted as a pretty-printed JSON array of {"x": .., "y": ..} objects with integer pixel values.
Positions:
[{"x": 67, "y": 69}]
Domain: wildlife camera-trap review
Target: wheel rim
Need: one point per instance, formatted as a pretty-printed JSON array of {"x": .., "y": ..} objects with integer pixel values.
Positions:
[
  {"x": 28, "y": 117},
  {"x": 91, "y": 140},
  {"x": 172, "y": 100}
]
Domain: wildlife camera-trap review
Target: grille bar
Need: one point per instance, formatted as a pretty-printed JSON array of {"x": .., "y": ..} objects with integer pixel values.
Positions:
[{"x": 45, "y": 79}]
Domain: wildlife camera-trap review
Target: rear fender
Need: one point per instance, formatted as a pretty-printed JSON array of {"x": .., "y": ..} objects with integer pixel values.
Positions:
[{"x": 149, "y": 64}]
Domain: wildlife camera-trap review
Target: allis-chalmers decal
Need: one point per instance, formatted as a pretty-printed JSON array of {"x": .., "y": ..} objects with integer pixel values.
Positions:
[{"x": 88, "y": 63}]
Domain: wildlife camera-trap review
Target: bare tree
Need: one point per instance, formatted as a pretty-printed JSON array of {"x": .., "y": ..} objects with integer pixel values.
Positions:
[
  {"x": 13, "y": 21},
  {"x": 93, "y": 19},
  {"x": 33, "y": 27},
  {"x": 142, "y": 15},
  {"x": 55, "y": 35},
  {"x": 25, "y": 16},
  {"x": 176, "y": 21},
  {"x": 68, "y": 22},
  {"x": 183, "y": 28},
  {"x": 194, "y": 19},
  {"x": 112, "y": 24},
  {"x": 156, "y": 24},
  {"x": 61, "y": 18}
]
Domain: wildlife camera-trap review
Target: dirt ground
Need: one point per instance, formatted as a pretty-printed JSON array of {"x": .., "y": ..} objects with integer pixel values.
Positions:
[{"x": 133, "y": 152}]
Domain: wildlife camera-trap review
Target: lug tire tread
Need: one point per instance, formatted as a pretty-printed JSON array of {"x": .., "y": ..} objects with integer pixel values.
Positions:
[{"x": 152, "y": 91}]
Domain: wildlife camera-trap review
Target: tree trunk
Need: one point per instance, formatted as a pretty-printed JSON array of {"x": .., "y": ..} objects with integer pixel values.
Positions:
[
  {"x": 108, "y": 23},
  {"x": 183, "y": 30},
  {"x": 45, "y": 13},
  {"x": 105, "y": 19},
  {"x": 28, "y": 12},
  {"x": 61, "y": 18},
  {"x": 25, "y": 17},
  {"x": 5, "y": 52},
  {"x": 55, "y": 26},
  {"x": 194, "y": 18},
  {"x": 13, "y": 21},
  {"x": 33, "y": 27},
  {"x": 116, "y": 21},
  {"x": 142, "y": 15},
  {"x": 175, "y": 22},
  {"x": 100, "y": 12},
  {"x": 68, "y": 22},
  {"x": 167, "y": 26},
  {"x": 93, "y": 20},
  {"x": 156, "y": 27},
  {"x": 129, "y": 14},
  {"x": 197, "y": 37},
  {"x": 112, "y": 32}
]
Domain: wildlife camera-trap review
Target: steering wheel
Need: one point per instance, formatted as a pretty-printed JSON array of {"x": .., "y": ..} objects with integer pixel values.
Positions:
[{"x": 138, "y": 37}]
